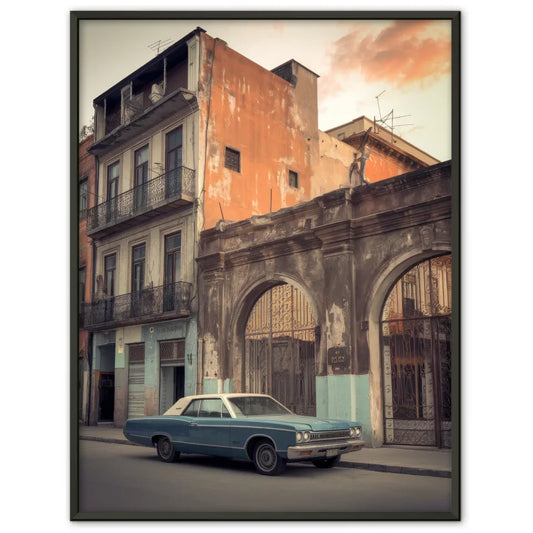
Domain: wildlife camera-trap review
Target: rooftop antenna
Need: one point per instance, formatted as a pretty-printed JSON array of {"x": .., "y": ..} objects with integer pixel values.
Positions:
[
  {"x": 387, "y": 121},
  {"x": 159, "y": 46}
]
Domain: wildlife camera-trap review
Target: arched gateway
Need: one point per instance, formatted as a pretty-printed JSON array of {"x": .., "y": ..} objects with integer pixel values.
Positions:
[
  {"x": 280, "y": 349},
  {"x": 416, "y": 351}
]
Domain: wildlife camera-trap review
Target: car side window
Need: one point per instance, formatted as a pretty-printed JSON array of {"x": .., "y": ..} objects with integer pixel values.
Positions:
[
  {"x": 192, "y": 409},
  {"x": 211, "y": 408},
  {"x": 225, "y": 412}
]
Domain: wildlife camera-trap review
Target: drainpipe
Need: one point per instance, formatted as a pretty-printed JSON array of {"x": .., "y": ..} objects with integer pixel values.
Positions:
[{"x": 200, "y": 365}]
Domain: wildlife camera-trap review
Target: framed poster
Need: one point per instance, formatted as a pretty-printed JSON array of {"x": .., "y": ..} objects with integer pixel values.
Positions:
[{"x": 266, "y": 203}]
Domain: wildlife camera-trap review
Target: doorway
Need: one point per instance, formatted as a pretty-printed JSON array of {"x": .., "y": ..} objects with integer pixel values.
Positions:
[
  {"x": 172, "y": 373},
  {"x": 416, "y": 356},
  {"x": 280, "y": 349},
  {"x": 106, "y": 396}
]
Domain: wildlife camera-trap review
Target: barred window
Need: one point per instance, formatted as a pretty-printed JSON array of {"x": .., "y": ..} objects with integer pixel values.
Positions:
[
  {"x": 233, "y": 159},
  {"x": 172, "y": 350}
]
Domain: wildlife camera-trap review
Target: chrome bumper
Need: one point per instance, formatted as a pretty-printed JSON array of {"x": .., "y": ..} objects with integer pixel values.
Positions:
[{"x": 323, "y": 450}]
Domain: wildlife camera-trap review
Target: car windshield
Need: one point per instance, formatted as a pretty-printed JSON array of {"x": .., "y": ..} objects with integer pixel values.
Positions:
[{"x": 257, "y": 406}]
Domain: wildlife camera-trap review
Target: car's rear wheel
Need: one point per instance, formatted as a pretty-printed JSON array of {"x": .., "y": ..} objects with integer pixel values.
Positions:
[
  {"x": 266, "y": 460},
  {"x": 327, "y": 463},
  {"x": 166, "y": 451}
]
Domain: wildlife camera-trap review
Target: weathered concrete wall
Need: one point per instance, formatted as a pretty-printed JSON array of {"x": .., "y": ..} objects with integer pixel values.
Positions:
[
  {"x": 343, "y": 250},
  {"x": 271, "y": 122},
  {"x": 335, "y": 160}
]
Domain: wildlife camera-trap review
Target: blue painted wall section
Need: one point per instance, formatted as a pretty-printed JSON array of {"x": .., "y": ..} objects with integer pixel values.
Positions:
[
  {"x": 175, "y": 329},
  {"x": 345, "y": 397},
  {"x": 210, "y": 386}
]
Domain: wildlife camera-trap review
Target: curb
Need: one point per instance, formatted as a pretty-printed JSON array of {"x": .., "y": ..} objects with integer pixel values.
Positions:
[
  {"x": 413, "y": 471},
  {"x": 343, "y": 464}
]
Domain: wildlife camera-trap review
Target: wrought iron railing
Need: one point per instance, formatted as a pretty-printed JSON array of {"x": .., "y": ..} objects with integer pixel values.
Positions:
[
  {"x": 170, "y": 300},
  {"x": 148, "y": 196}
]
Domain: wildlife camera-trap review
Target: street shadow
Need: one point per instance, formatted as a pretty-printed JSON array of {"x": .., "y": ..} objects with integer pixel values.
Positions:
[{"x": 303, "y": 469}]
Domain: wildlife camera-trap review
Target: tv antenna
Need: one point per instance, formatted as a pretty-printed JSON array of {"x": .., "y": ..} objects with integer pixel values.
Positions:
[
  {"x": 387, "y": 121},
  {"x": 159, "y": 46}
]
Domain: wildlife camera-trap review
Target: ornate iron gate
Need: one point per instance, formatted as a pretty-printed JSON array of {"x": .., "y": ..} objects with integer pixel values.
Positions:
[
  {"x": 280, "y": 349},
  {"x": 416, "y": 350}
]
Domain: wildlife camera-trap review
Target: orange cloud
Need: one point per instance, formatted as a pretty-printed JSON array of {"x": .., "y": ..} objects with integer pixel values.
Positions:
[{"x": 405, "y": 52}]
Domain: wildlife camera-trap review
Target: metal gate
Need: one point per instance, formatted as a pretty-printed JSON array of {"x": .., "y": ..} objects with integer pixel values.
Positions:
[
  {"x": 280, "y": 349},
  {"x": 416, "y": 350}
]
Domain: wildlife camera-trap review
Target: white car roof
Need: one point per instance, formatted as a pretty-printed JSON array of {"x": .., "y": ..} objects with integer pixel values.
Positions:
[{"x": 178, "y": 407}]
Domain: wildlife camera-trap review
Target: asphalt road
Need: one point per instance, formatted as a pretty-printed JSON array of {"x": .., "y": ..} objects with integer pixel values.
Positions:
[{"x": 117, "y": 478}]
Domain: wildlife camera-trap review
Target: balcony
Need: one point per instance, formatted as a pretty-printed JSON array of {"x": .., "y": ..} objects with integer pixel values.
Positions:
[
  {"x": 120, "y": 126},
  {"x": 154, "y": 198},
  {"x": 165, "y": 302}
]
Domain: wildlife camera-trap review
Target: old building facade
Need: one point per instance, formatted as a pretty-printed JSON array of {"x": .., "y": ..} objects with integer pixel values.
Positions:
[
  {"x": 325, "y": 306},
  {"x": 197, "y": 134},
  {"x": 192, "y": 141}
]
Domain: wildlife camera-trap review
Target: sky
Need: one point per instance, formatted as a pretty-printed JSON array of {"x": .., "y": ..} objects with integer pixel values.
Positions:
[{"x": 376, "y": 68}]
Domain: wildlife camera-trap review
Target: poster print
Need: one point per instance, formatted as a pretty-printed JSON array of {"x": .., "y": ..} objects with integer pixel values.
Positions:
[{"x": 265, "y": 208}]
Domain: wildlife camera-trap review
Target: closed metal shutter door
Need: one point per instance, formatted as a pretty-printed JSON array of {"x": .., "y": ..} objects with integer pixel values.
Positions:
[{"x": 136, "y": 381}]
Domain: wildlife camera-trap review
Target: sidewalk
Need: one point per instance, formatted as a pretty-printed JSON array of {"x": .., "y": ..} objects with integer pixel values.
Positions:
[{"x": 419, "y": 461}]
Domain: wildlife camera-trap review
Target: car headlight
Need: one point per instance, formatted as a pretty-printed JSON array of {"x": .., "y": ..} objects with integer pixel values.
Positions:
[
  {"x": 307, "y": 436},
  {"x": 299, "y": 436},
  {"x": 355, "y": 432}
]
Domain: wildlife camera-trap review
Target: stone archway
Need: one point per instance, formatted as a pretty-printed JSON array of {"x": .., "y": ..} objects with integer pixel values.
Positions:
[
  {"x": 416, "y": 355},
  {"x": 383, "y": 285}
]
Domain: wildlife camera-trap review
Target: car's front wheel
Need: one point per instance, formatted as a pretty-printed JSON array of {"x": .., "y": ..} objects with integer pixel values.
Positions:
[
  {"x": 327, "y": 463},
  {"x": 166, "y": 451},
  {"x": 266, "y": 460}
]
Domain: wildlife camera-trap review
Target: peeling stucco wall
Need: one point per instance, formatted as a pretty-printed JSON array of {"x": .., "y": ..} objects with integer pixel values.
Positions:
[{"x": 273, "y": 126}]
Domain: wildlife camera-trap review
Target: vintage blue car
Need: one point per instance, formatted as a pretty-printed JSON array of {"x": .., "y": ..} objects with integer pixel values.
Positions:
[{"x": 253, "y": 427}]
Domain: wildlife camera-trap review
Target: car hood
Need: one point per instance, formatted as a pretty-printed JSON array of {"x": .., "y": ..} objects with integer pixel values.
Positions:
[{"x": 305, "y": 423}]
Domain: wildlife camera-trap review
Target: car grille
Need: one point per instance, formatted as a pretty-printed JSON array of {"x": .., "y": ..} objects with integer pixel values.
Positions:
[{"x": 328, "y": 435}]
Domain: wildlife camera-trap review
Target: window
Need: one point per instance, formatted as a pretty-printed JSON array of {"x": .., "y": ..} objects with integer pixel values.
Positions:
[
  {"x": 83, "y": 198},
  {"x": 174, "y": 162},
  {"x": 233, "y": 159},
  {"x": 293, "y": 178},
  {"x": 113, "y": 173},
  {"x": 211, "y": 408},
  {"x": 192, "y": 409},
  {"x": 141, "y": 177},
  {"x": 112, "y": 180},
  {"x": 82, "y": 276},
  {"x": 172, "y": 273},
  {"x": 137, "y": 268},
  {"x": 110, "y": 265}
]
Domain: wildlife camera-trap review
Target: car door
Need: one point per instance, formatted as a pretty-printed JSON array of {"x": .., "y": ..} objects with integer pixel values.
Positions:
[{"x": 209, "y": 431}]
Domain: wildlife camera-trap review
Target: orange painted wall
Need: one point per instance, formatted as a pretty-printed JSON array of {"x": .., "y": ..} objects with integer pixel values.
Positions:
[
  {"x": 272, "y": 125},
  {"x": 381, "y": 166}
]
